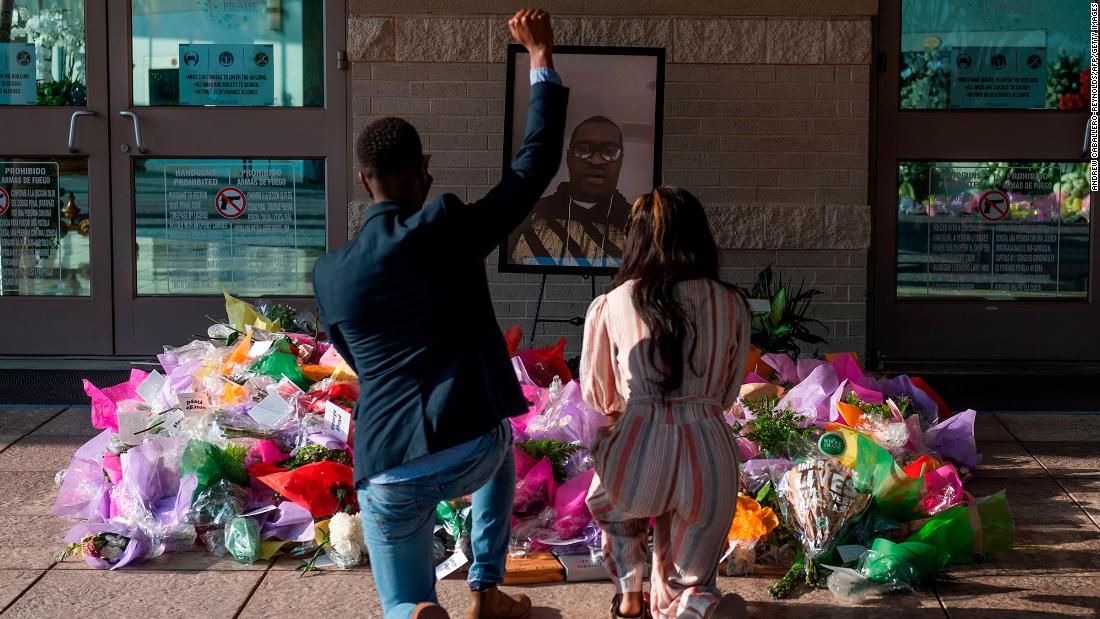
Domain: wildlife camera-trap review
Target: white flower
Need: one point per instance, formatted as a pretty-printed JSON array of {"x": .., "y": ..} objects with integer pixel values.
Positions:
[
  {"x": 346, "y": 536},
  {"x": 742, "y": 557}
]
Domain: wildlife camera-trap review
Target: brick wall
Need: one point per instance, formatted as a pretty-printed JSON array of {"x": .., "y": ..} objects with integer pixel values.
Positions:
[{"x": 766, "y": 120}]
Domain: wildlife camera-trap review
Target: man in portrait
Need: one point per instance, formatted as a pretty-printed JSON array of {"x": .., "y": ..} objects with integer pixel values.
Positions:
[{"x": 583, "y": 223}]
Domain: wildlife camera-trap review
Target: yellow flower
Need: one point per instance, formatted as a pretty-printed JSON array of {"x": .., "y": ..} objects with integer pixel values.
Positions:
[{"x": 752, "y": 521}]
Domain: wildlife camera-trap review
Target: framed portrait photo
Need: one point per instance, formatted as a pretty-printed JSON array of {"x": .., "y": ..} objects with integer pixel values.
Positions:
[{"x": 612, "y": 155}]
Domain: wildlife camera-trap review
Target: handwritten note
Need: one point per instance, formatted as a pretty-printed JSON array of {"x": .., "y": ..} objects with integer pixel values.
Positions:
[
  {"x": 451, "y": 565},
  {"x": 337, "y": 421}
]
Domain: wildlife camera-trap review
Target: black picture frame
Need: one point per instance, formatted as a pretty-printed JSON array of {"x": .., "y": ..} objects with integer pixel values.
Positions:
[{"x": 504, "y": 262}]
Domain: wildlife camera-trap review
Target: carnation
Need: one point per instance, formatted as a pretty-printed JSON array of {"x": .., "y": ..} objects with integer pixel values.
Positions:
[{"x": 346, "y": 537}]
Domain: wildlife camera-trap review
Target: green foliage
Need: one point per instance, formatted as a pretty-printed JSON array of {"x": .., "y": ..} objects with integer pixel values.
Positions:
[
  {"x": 925, "y": 80},
  {"x": 914, "y": 180},
  {"x": 285, "y": 315},
  {"x": 557, "y": 451},
  {"x": 62, "y": 92},
  {"x": 237, "y": 452},
  {"x": 310, "y": 454},
  {"x": 1063, "y": 77},
  {"x": 781, "y": 329},
  {"x": 774, "y": 431}
]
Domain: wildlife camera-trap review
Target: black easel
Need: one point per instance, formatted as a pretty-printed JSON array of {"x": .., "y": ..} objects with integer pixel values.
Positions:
[{"x": 576, "y": 321}]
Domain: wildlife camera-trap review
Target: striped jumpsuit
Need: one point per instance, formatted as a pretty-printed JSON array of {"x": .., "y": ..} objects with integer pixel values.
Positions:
[{"x": 672, "y": 458}]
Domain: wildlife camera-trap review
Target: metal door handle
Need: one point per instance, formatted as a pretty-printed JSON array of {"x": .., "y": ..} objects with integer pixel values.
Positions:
[
  {"x": 72, "y": 127},
  {"x": 1088, "y": 134},
  {"x": 137, "y": 129}
]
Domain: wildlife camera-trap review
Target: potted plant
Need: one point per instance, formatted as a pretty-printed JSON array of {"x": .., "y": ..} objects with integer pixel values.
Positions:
[{"x": 786, "y": 326}]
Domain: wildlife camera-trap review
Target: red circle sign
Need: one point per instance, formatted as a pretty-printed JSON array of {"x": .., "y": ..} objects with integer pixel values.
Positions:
[
  {"x": 5, "y": 201},
  {"x": 230, "y": 202},
  {"x": 993, "y": 205}
]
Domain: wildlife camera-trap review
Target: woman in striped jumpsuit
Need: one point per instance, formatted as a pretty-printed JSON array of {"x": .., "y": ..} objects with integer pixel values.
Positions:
[{"x": 664, "y": 354}]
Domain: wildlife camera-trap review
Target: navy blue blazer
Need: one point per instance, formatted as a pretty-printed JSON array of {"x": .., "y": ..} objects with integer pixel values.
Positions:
[{"x": 406, "y": 303}]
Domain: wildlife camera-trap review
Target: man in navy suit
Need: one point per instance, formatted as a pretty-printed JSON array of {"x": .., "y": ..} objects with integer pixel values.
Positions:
[{"x": 407, "y": 305}]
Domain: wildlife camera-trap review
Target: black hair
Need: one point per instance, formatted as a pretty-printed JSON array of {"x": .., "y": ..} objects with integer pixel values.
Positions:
[
  {"x": 386, "y": 145},
  {"x": 669, "y": 241},
  {"x": 592, "y": 120}
]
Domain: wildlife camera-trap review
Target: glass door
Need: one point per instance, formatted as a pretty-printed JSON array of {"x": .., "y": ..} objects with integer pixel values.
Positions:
[
  {"x": 55, "y": 217},
  {"x": 983, "y": 235},
  {"x": 230, "y": 130}
]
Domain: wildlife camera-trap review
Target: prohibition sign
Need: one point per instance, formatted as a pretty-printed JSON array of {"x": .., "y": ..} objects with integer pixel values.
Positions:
[
  {"x": 230, "y": 202},
  {"x": 5, "y": 200},
  {"x": 993, "y": 205}
]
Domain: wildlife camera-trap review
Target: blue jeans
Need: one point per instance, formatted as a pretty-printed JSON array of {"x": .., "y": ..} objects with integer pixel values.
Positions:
[{"x": 399, "y": 519}]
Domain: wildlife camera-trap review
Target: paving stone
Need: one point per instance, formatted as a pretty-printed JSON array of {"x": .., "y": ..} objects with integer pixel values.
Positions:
[
  {"x": 1029, "y": 595},
  {"x": 1032, "y": 501},
  {"x": 40, "y": 453},
  {"x": 13, "y": 582},
  {"x": 1006, "y": 459},
  {"x": 989, "y": 428},
  {"x": 1087, "y": 493},
  {"x": 19, "y": 421},
  {"x": 31, "y": 542},
  {"x": 76, "y": 421},
  {"x": 1052, "y": 427},
  {"x": 1070, "y": 459},
  {"x": 1054, "y": 549},
  {"x": 63, "y": 593},
  {"x": 27, "y": 493}
]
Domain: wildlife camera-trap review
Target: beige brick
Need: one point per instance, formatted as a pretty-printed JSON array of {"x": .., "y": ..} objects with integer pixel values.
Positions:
[
  {"x": 848, "y": 41},
  {"x": 628, "y": 32},
  {"x": 485, "y": 90},
  {"x": 494, "y": 106},
  {"x": 729, "y": 90},
  {"x": 726, "y": 126},
  {"x": 813, "y": 178},
  {"x": 370, "y": 38},
  {"x": 746, "y": 73},
  {"x": 860, "y": 74},
  {"x": 720, "y": 40},
  {"x": 450, "y": 159},
  {"x": 779, "y": 160},
  {"x": 438, "y": 89},
  {"x": 799, "y": 108},
  {"x": 459, "y": 176},
  {"x": 487, "y": 124},
  {"x": 861, "y": 109},
  {"x": 781, "y": 126},
  {"x": 805, "y": 73},
  {"x": 852, "y": 143},
  {"x": 719, "y": 195},
  {"x": 682, "y": 90},
  {"x": 567, "y": 31},
  {"x": 692, "y": 73},
  {"x": 843, "y": 195},
  {"x": 841, "y": 161},
  {"x": 459, "y": 107},
  {"x": 379, "y": 88},
  {"x": 441, "y": 39},
  {"x": 399, "y": 71},
  {"x": 457, "y": 141},
  {"x": 794, "y": 225},
  {"x": 439, "y": 124},
  {"x": 682, "y": 126},
  {"x": 399, "y": 105},
  {"x": 691, "y": 142},
  {"x": 691, "y": 178},
  {"x": 750, "y": 143},
  {"x": 468, "y": 71},
  {"x": 843, "y": 91},
  {"x": 749, "y": 178},
  {"x": 790, "y": 195},
  {"x": 848, "y": 227},
  {"x": 736, "y": 226},
  {"x": 840, "y": 126},
  {"x": 807, "y": 144},
  {"x": 796, "y": 41},
  {"x": 485, "y": 158}
]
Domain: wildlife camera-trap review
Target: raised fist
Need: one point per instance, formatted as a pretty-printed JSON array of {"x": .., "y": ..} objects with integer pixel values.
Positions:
[{"x": 531, "y": 28}]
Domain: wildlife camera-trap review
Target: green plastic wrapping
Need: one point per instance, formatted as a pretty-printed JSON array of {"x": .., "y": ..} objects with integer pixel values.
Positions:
[
  {"x": 242, "y": 539},
  {"x": 911, "y": 563},
  {"x": 894, "y": 494},
  {"x": 970, "y": 533},
  {"x": 211, "y": 464},
  {"x": 279, "y": 362}
]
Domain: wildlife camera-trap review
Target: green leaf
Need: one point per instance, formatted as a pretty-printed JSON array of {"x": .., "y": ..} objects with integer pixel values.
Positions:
[{"x": 779, "y": 305}]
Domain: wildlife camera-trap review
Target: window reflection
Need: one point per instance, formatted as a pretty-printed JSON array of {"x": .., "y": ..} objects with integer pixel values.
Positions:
[
  {"x": 42, "y": 53},
  {"x": 993, "y": 230},
  {"x": 228, "y": 53}
]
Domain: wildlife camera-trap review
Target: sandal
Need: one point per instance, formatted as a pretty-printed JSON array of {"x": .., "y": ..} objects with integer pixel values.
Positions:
[{"x": 617, "y": 601}]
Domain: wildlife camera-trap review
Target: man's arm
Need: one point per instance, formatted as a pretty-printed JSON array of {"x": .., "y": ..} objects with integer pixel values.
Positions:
[{"x": 488, "y": 221}]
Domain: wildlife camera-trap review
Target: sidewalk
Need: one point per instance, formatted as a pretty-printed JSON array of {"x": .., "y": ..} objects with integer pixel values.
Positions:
[{"x": 1049, "y": 463}]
